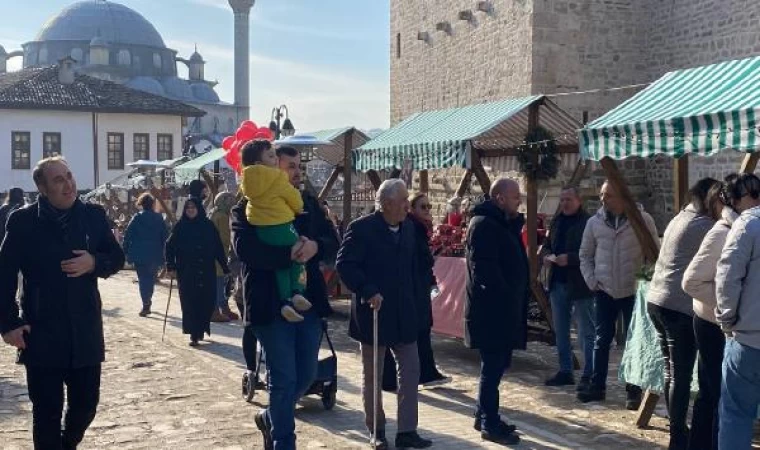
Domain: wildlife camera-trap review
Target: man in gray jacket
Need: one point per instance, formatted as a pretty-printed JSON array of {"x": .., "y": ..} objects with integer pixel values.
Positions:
[
  {"x": 737, "y": 287},
  {"x": 610, "y": 256}
]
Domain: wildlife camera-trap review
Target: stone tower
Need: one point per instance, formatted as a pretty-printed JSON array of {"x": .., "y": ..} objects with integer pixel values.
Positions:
[{"x": 242, "y": 11}]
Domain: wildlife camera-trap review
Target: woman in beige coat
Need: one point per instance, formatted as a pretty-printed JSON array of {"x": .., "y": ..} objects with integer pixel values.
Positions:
[{"x": 699, "y": 282}]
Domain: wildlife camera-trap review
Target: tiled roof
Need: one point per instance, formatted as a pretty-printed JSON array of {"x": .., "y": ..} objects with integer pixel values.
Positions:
[{"x": 39, "y": 88}]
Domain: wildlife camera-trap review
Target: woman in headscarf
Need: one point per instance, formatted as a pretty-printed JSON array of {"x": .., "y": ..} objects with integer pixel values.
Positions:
[
  {"x": 220, "y": 217},
  {"x": 191, "y": 252}
]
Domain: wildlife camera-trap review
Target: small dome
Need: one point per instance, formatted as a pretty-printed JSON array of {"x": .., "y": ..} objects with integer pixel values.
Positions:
[
  {"x": 196, "y": 57},
  {"x": 86, "y": 19},
  {"x": 147, "y": 84},
  {"x": 177, "y": 88},
  {"x": 204, "y": 93}
]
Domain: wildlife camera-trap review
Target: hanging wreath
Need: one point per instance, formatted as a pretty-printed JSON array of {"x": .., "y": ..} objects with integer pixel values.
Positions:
[{"x": 541, "y": 142}]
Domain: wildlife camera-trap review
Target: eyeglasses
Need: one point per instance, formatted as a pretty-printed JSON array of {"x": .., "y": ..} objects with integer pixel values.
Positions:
[{"x": 426, "y": 207}]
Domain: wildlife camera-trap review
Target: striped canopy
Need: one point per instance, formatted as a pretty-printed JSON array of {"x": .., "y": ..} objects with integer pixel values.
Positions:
[
  {"x": 443, "y": 138},
  {"x": 702, "y": 110}
]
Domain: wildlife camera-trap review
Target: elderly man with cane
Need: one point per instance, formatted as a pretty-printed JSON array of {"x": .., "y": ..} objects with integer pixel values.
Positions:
[
  {"x": 61, "y": 246},
  {"x": 376, "y": 262}
]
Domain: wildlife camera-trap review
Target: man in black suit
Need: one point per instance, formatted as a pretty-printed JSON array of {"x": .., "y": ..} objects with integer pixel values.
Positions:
[
  {"x": 61, "y": 246},
  {"x": 377, "y": 262},
  {"x": 496, "y": 303}
]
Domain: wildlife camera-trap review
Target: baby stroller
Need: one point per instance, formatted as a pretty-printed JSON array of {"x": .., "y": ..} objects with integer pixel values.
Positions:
[{"x": 325, "y": 385}]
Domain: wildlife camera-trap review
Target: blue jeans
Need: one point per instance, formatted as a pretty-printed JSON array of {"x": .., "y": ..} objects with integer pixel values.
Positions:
[
  {"x": 146, "y": 280},
  {"x": 492, "y": 368},
  {"x": 221, "y": 287},
  {"x": 292, "y": 352},
  {"x": 607, "y": 311},
  {"x": 562, "y": 311},
  {"x": 739, "y": 395}
]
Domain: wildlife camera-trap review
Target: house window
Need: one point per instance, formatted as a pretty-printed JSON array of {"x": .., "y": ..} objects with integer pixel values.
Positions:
[
  {"x": 51, "y": 144},
  {"x": 115, "y": 151},
  {"x": 165, "y": 147},
  {"x": 21, "y": 150},
  {"x": 141, "y": 146}
]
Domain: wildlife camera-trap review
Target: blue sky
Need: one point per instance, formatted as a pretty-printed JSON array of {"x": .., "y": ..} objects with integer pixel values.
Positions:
[{"x": 327, "y": 60}]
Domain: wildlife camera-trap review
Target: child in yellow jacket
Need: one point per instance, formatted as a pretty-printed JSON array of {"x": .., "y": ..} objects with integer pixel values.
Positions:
[{"x": 272, "y": 207}]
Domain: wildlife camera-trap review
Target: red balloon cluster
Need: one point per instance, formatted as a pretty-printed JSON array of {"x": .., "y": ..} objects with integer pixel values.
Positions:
[{"x": 248, "y": 131}]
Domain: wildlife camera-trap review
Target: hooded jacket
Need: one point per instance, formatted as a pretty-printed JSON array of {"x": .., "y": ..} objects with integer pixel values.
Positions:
[
  {"x": 699, "y": 278},
  {"x": 272, "y": 200},
  {"x": 497, "y": 281},
  {"x": 220, "y": 217},
  {"x": 737, "y": 280},
  {"x": 611, "y": 255}
]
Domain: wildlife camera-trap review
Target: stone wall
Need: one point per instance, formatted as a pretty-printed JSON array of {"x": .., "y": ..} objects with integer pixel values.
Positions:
[{"x": 483, "y": 60}]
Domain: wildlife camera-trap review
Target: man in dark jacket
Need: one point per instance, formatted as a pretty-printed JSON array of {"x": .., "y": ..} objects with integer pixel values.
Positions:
[
  {"x": 377, "y": 262},
  {"x": 495, "y": 308},
  {"x": 568, "y": 291},
  {"x": 14, "y": 201},
  {"x": 291, "y": 348},
  {"x": 60, "y": 246}
]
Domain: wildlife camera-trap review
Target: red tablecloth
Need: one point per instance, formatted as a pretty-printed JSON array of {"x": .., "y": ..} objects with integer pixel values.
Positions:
[{"x": 448, "y": 307}]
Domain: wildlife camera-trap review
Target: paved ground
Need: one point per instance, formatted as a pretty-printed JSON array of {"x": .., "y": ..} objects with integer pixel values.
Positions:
[{"x": 168, "y": 395}]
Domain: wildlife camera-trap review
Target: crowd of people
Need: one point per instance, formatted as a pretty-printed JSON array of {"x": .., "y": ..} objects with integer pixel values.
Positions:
[{"x": 269, "y": 241}]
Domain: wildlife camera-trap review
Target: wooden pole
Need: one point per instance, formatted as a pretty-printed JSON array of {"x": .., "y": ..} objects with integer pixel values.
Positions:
[
  {"x": 464, "y": 183},
  {"x": 532, "y": 199},
  {"x": 749, "y": 164},
  {"x": 646, "y": 240},
  {"x": 330, "y": 182},
  {"x": 347, "y": 172},
  {"x": 680, "y": 182},
  {"x": 480, "y": 172},
  {"x": 374, "y": 178},
  {"x": 424, "y": 182}
]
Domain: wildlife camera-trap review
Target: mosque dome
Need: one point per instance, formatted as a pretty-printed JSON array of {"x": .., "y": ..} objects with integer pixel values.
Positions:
[
  {"x": 113, "y": 22},
  {"x": 177, "y": 88},
  {"x": 147, "y": 84},
  {"x": 204, "y": 92}
]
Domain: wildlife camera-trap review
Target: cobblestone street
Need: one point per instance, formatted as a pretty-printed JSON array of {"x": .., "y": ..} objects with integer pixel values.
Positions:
[{"x": 168, "y": 395}]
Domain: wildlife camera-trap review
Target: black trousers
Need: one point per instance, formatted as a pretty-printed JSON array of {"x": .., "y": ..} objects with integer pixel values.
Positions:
[
  {"x": 704, "y": 419},
  {"x": 675, "y": 332},
  {"x": 428, "y": 370},
  {"x": 46, "y": 391},
  {"x": 249, "y": 348}
]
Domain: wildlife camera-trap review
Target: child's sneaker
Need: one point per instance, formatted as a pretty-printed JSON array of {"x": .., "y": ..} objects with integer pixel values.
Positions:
[
  {"x": 290, "y": 314},
  {"x": 300, "y": 303}
]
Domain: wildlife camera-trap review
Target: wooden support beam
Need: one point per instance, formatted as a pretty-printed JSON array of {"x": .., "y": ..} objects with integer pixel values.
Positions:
[
  {"x": 749, "y": 164},
  {"x": 424, "y": 183},
  {"x": 532, "y": 201},
  {"x": 169, "y": 213},
  {"x": 648, "y": 404},
  {"x": 348, "y": 144},
  {"x": 480, "y": 172},
  {"x": 648, "y": 245},
  {"x": 680, "y": 182},
  {"x": 464, "y": 183},
  {"x": 330, "y": 182},
  {"x": 374, "y": 178}
]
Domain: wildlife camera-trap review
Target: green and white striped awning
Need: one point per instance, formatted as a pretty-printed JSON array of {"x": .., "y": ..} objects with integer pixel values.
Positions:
[
  {"x": 702, "y": 111},
  {"x": 443, "y": 138}
]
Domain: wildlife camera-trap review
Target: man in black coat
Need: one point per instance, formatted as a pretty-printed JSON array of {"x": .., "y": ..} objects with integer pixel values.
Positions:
[
  {"x": 60, "y": 246},
  {"x": 495, "y": 308},
  {"x": 377, "y": 262},
  {"x": 292, "y": 349},
  {"x": 568, "y": 291}
]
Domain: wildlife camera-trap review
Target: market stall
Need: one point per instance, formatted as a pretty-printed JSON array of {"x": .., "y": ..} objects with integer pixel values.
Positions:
[
  {"x": 699, "y": 111},
  {"x": 532, "y": 130}
]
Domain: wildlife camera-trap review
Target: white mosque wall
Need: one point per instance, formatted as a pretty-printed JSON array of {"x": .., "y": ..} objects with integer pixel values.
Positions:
[
  {"x": 76, "y": 144},
  {"x": 76, "y": 129},
  {"x": 226, "y": 117}
]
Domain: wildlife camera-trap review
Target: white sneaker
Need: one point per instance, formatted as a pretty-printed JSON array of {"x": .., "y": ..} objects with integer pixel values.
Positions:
[
  {"x": 300, "y": 303},
  {"x": 290, "y": 314}
]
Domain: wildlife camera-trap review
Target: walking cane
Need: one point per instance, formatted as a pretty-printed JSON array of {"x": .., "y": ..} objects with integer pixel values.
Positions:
[
  {"x": 375, "y": 364},
  {"x": 166, "y": 315}
]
